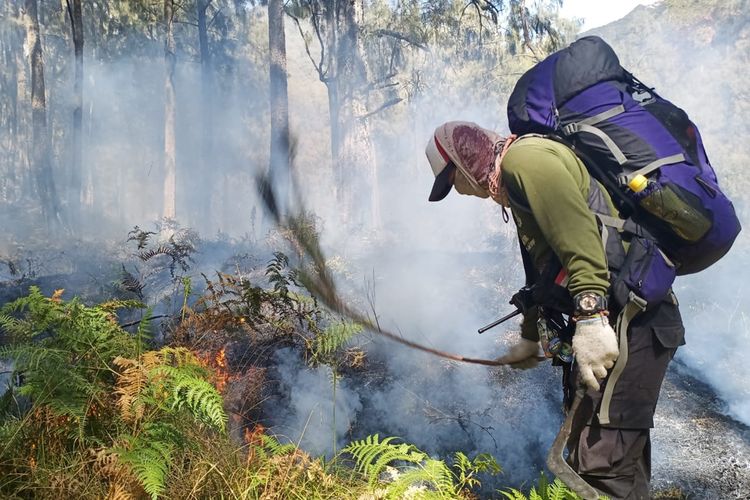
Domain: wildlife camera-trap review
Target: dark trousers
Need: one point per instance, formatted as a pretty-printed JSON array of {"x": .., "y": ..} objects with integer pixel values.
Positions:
[{"x": 615, "y": 458}]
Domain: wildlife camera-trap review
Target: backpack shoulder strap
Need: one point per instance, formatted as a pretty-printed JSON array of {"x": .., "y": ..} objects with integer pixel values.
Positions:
[{"x": 532, "y": 276}]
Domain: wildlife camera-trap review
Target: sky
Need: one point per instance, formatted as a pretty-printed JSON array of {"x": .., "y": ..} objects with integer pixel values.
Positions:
[{"x": 599, "y": 12}]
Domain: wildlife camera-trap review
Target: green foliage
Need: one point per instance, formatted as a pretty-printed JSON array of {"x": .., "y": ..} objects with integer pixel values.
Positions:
[
  {"x": 270, "y": 447},
  {"x": 84, "y": 393},
  {"x": 333, "y": 338},
  {"x": 149, "y": 455},
  {"x": 194, "y": 392},
  {"x": 544, "y": 491},
  {"x": 374, "y": 457},
  {"x": 143, "y": 336},
  {"x": 63, "y": 351},
  {"x": 152, "y": 392},
  {"x": 467, "y": 469}
]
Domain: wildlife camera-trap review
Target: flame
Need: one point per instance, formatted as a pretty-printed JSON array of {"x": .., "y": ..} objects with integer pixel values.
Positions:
[
  {"x": 217, "y": 364},
  {"x": 221, "y": 358},
  {"x": 222, "y": 374},
  {"x": 253, "y": 439}
]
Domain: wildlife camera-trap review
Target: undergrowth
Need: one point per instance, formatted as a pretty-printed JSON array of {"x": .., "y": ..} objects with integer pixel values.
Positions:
[{"x": 97, "y": 412}]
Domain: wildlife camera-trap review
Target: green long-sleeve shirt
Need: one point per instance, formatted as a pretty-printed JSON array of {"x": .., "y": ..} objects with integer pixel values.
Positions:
[{"x": 548, "y": 188}]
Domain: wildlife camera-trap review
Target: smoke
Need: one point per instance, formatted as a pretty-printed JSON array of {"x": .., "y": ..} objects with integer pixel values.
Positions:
[
  {"x": 307, "y": 401},
  {"x": 715, "y": 311},
  {"x": 436, "y": 271}
]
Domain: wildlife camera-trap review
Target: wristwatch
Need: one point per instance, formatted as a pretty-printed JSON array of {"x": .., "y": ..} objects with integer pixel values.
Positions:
[{"x": 588, "y": 303}]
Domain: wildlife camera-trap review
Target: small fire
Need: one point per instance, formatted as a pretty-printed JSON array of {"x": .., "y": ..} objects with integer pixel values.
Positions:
[
  {"x": 32, "y": 458},
  {"x": 253, "y": 439},
  {"x": 221, "y": 358},
  {"x": 222, "y": 374}
]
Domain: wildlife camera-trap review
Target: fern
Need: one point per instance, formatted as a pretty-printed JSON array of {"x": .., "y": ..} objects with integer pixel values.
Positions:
[
  {"x": 170, "y": 377},
  {"x": 202, "y": 398},
  {"x": 373, "y": 455},
  {"x": 149, "y": 455},
  {"x": 275, "y": 447},
  {"x": 467, "y": 469},
  {"x": 130, "y": 283},
  {"x": 143, "y": 334},
  {"x": 334, "y": 337},
  {"x": 434, "y": 474},
  {"x": 140, "y": 236},
  {"x": 131, "y": 384},
  {"x": 18, "y": 329},
  {"x": 33, "y": 357},
  {"x": 434, "y": 477},
  {"x": 557, "y": 490}
]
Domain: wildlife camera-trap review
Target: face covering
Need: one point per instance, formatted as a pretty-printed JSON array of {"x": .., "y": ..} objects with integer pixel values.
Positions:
[{"x": 464, "y": 186}]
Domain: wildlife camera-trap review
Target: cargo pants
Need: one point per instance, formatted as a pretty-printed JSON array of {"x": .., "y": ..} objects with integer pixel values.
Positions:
[{"x": 611, "y": 449}]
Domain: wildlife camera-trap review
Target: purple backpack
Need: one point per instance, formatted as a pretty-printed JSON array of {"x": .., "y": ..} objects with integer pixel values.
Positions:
[{"x": 642, "y": 148}]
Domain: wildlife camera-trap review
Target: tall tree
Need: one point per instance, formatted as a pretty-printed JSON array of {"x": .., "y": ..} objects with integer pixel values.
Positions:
[
  {"x": 41, "y": 140},
  {"x": 75, "y": 195},
  {"x": 202, "y": 204},
  {"x": 343, "y": 69},
  {"x": 279, "y": 101},
  {"x": 170, "y": 158},
  {"x": 11, "y": 137}
]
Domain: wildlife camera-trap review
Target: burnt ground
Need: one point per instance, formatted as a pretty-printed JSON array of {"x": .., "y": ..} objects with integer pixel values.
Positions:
[{"x": 696, "y": 447}]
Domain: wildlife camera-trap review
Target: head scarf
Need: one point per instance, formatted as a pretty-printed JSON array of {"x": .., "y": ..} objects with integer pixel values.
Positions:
[{"x": 477, "y": 153}]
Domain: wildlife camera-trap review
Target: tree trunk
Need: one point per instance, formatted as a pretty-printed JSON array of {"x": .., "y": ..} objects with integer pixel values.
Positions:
[
  {"x": 280, "y": 168},
  {"x": 201, "y": 206},
  {"x": 9, "y": 138},
  {"x": 170, "y": 160},
  {"x": 355, "y": 157},
  {"x": 41, "y": 157},
  {"x": 24, "y": 145},
  {"x": 76, "y": 195}
]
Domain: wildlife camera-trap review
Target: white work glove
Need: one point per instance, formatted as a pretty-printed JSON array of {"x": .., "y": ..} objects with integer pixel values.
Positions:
[
  {"x": 523, "y": 355},
  {"x": 595, "y": 349}
]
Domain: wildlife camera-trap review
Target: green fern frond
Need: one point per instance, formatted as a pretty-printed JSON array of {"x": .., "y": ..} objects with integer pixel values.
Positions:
[
  {"x": 334, "y": 337},
  {"x": 372, "y": 455},
  {"x": 274, "y": 447},
  {"x": 203, "y": 400},
  {"x": 149, "y": 456},
  {"x": 112, "y": 306},
  {"x": 32, "y": 357},
  {"x": 557, "y": 490},
  {"x": 513, "y": 494},
  {"x": 19, "y": 330},
  {"x": 143, "y": 333},
  {"x": 434, "y": 474}
]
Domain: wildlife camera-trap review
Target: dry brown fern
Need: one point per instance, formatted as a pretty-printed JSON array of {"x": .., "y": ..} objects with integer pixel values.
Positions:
[
  {"x": 135, "y": 375},
  {"x": 131, "y": 381},
  {"x": 122, "y": 484}
]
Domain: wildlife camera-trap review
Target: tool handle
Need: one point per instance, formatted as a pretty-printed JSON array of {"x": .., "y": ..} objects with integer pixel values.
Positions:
[{"x": 501, "y": 320}]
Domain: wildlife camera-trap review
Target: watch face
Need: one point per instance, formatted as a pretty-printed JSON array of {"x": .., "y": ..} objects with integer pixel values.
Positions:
[{"x": 588, "y": 303}]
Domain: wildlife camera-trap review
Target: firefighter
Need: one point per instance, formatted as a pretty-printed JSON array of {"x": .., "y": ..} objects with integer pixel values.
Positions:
[{"x": 570, "y": 258}]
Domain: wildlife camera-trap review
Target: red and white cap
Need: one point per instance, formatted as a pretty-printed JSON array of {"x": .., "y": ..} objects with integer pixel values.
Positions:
[
  {"x": 443, "y": 168},
  {"x": 462, "y": 146}
]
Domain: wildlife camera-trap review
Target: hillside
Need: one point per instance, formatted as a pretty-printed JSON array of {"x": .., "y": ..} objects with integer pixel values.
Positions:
[{"x": 696, "y": 53}]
